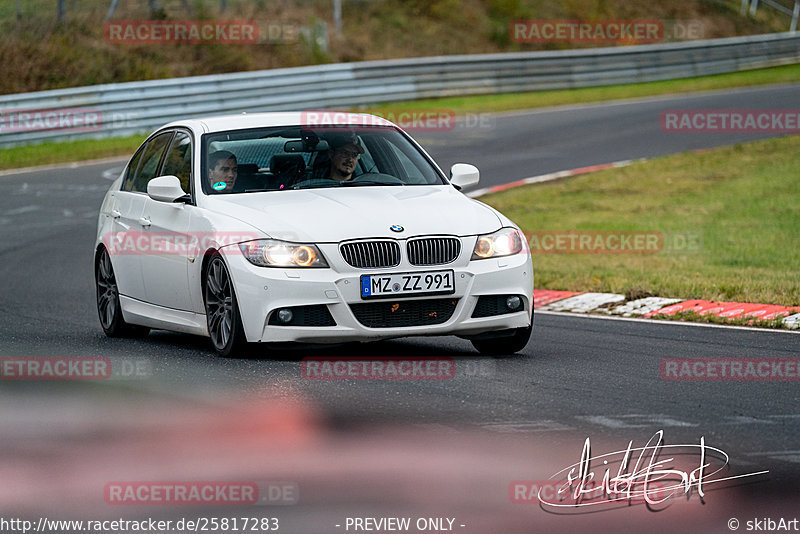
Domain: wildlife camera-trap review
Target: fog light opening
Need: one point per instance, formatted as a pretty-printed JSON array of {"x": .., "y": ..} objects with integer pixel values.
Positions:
[
  {"x": 285, "y": 315},
  {"x": 514, "y": 303}
]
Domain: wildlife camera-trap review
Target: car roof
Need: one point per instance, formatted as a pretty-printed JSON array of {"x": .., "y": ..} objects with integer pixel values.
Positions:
[{"x": 241, "y": 121}]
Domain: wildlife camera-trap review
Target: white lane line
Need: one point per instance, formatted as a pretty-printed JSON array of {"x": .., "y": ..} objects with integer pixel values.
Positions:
[
  {"x": 112, "y": 173},
  {"x": 439, "y": 428},
  {"x": 72, "y": 165},
  {"x": 662, "y": 321},
  {"x": 786, "y": 456},
  {"x": 513, "y": 427},
  {"x": 746, "y": 420},
  {"x": 635, "y": 421},
  {"x": 23, "y": 209}
]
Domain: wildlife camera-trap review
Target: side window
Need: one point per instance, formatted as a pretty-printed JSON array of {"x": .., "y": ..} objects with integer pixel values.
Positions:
[
  {"x": 179, "y": 160},
  {"x": 151, "y": 157},
  {"x": 127, "y": 183}
]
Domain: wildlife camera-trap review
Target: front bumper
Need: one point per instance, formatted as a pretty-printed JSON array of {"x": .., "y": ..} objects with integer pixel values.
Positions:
[{"x": 262, "y": 291}]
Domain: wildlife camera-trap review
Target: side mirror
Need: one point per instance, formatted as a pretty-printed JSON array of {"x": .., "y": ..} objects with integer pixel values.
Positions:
[
  {"x": 464, "y": 175},
  {"x": 165, "y": 189}
]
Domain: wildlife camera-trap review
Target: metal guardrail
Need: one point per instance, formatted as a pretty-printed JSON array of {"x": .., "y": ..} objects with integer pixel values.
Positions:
[{"x": 137, "y": 107}]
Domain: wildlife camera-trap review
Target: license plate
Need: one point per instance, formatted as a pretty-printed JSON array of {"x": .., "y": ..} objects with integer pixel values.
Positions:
[{"x": 405, "y": 284}]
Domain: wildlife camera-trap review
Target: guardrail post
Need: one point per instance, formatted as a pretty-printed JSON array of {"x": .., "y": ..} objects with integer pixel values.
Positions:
[
  {"x": 337, "y": 16},
  {"x": 113, "y": 7}
]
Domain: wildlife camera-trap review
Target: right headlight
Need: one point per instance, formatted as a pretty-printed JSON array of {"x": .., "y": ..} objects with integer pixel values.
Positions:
[
  {"x": 504, "y": 242},
  {"x": 272, "y": 253}
]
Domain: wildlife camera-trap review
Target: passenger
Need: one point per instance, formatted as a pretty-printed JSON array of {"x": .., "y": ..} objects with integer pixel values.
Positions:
[{"x": 223, "y": 170}]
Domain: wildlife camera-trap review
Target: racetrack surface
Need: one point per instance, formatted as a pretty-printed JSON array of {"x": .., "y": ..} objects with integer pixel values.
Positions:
[
  {"x": 519, "y": 145},
  {"x": 422, "y": 448}
]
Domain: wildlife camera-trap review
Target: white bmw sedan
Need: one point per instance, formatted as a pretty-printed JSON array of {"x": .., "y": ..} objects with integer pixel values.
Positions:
[{"x": 271, "y": 228}]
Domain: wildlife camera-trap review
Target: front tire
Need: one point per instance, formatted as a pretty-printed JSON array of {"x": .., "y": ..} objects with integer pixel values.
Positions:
[
  {"x": 504, "y": 343},
  {"x": 222, "y": 311},
  {"x": 109, "y": 309}
]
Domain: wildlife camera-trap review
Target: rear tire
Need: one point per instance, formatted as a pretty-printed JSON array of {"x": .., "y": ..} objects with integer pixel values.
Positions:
[
  {"x": 109, "y": 309},
  {"x": 504, "y": 343},
  {"x": 222, "y": 310}
]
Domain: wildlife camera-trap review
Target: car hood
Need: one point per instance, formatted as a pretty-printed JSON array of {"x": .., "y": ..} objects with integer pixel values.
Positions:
[{"x": 336, "y": 214}]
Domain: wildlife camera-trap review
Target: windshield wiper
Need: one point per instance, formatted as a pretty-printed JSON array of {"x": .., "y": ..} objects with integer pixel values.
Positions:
[
  {"x": 368, "y": 182},
  {"x": 300, "y": 185}
]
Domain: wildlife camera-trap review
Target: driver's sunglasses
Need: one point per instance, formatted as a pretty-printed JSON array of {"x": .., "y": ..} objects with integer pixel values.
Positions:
[{"x": 348, "y": 154}]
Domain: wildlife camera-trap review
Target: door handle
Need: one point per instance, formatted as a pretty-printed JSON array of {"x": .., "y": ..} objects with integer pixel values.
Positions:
[
  {"x": 144, "y": 221},
  {"x": 116, "y": 214}
]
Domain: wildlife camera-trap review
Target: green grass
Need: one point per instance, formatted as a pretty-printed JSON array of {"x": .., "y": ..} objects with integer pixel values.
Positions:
[
  {"x": 81, "y": 150},
  {"x": 743, "y": 200},
  {"x": 87, "y": 149}
]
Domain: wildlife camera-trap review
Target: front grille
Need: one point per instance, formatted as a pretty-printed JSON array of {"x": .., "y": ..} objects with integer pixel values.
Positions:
[
  {"x": 433, "y": 250},
  {"x": 489, "y": 305},
  {"x": 404, "y": 313},
  {"x": 315, "y": 315},
  {"x": 371, "y": 254}
]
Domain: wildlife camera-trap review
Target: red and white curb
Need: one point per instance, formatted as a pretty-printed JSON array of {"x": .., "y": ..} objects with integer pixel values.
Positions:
[
  {"x": 583, "y": 303},
  {"x": 616, "y": 305},
  {"x": 613, "y": 304}
]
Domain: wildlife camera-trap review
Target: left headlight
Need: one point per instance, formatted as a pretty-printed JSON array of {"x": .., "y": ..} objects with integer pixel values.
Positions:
[
  {"x": 504, "y": 242},
  {"x": 272, "y": 253}
]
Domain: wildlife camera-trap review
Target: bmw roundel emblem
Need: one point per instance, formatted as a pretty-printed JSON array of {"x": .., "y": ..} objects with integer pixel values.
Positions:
[{"x": 396, "y": 228}]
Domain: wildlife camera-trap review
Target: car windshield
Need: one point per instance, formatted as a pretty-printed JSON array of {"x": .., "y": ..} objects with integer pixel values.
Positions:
[{"x": 300, "y": 157}]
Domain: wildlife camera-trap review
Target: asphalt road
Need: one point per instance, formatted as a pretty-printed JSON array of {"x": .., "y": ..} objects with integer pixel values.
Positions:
[
  {"x": 523, "y": 144},
  {"x": 433, "y": 448}
]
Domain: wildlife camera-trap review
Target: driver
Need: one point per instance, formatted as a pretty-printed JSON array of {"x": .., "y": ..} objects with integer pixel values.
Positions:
[{"x": 344, "y": 154}]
